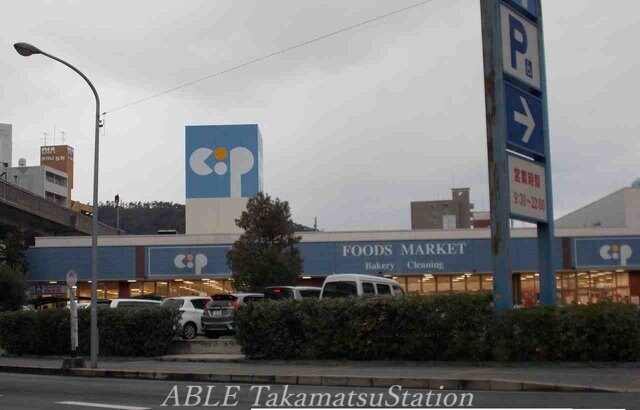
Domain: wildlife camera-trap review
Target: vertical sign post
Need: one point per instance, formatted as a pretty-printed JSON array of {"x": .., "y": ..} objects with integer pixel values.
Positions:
[{"x": 517, "y": 137}]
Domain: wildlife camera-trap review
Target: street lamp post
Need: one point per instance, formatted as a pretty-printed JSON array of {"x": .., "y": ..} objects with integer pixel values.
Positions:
[{"x": 26, "y": 49}]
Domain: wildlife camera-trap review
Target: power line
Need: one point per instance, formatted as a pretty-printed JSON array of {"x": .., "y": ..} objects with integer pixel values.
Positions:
[{"x": 265, "y": 57}]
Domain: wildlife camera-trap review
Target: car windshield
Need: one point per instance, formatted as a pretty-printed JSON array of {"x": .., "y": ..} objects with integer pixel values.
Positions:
[
  {"x": 173, "y": 303},
  {"x": 340, "y": 289}
]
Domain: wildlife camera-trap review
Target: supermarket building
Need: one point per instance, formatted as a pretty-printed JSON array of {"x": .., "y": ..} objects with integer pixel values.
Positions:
[{"x": 599, "y": 261}]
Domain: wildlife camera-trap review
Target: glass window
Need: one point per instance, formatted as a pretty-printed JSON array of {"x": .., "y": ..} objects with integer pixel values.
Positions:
[
  {"x": 397, "y": 290},
  {"x": 310, "y": 293},
  {"x": 148, "y": 288},
  {"x": 368, "y": 289},
  {"x": 473, "y": 283},
  {"x": 112, "y": 290},
  {"x": 339, "y": 289},
  {"x": 251, "y": 299},
  {"x": 444, "y": 284},
  {"x": 173, "y": 303},
  {"x": 383, "y": 289},
  {"x": 199, "y": 303},
  {"x": 162, "y": 289},
  {"x": 278, "y": 293},
  {"x": 458, "y": 284},
  {"x": 413, "y": 285},
  {"x": 428, "y": 284}
]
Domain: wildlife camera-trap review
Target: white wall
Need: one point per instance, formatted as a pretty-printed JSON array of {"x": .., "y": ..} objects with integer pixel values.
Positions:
[
  {"x": 606, "y": 212},
  {"x": 213, "y": 215}
]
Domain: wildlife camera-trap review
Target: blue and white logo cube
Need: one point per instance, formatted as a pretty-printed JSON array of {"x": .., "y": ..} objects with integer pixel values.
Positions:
[{"x": 223, "y": 161}]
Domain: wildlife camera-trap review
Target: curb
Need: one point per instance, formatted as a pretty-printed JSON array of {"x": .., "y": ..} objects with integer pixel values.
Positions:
[{"x": 334, "y": 381}]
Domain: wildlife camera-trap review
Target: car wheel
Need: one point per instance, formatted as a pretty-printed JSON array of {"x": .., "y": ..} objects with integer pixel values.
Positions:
[
  {"x": 212, "y": 335},
  {"x": 189, "y": 331}
]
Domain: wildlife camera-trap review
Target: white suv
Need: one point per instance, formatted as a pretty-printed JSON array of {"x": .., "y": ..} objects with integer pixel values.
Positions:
[{"x": 191, "y": 308}]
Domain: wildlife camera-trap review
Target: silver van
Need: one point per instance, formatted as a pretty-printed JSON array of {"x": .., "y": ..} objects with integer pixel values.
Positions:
[{"x": 351, "y": 285}]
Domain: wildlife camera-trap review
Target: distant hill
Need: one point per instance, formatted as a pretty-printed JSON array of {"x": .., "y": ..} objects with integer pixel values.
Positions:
[{"x": 146, "y": 218}]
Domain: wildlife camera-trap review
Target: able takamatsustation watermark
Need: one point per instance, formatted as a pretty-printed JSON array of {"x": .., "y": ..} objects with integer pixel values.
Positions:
[{"x": 263, "y": 396}]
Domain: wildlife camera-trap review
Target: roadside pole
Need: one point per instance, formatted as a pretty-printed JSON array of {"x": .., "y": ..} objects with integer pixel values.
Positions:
[
  {"x": 518, "y": 142},
  {"x": 74, "y": 361}
]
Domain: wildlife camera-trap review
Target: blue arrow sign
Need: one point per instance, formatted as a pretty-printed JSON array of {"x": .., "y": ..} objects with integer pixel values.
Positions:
[{"x": 524, "y": 121}]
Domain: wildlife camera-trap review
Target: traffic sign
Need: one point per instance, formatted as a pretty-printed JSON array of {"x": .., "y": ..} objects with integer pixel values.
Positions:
[
  {"x": 527, "y": 188},
  {"x": 72, "y": 278},
  {"x": 520, "y": 52},
  {"x": 524, "y": 121}
]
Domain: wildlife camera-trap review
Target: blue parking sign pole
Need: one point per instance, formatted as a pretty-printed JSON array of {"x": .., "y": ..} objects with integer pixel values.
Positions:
[
  {"x": 518, "y": 142},
  {"x": 546, "y": 231},
  {"x": 497, "y": 154}
]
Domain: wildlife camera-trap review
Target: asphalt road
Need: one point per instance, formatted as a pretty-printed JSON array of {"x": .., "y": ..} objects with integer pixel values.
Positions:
[{"x": 20, "y": 391}]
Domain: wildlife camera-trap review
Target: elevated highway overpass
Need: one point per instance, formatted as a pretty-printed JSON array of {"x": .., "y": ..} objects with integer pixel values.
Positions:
[{"x": 34, "y": 215}]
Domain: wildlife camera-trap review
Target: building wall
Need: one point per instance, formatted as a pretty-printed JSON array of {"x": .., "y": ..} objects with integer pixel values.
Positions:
[
  {"x": 5, "y": 146},
  {"x": 223, "y": 168},
  {"x": 432, "y": 214},
  {"x": 34, "y": 179},
  {"x": 606, "y": 212},
  {"x": 59, "y": 157},
  {"x": 29, "y": 178},
  {"x": 632, "y": 207},
  {"x": 213, "y": 215}
]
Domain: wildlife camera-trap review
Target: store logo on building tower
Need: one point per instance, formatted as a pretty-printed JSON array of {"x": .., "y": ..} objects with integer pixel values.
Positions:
[
  {"x": 192, "y": 262},
  {"x": 616, "y": 252},
  {"x": 236, "y": 162},
  {"x": 223, "y": 161}
]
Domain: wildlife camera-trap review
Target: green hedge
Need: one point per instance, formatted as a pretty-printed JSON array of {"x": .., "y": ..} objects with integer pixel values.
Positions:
[
  {"x": 442, "y": 327},
  {"x": 122, "y": 332}
]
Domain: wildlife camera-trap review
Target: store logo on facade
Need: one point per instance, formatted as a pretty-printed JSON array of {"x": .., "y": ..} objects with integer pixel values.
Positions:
[
  {"x": 237, "y": 162},
  {"x": 617, "y": 252},
  {"x": 190, "y": 261}
]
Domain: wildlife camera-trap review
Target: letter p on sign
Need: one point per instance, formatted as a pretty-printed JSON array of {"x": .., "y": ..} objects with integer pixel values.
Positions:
[{"x": 520, "y": 54}]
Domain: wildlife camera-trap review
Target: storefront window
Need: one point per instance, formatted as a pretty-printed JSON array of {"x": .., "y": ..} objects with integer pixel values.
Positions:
[
  {"x": 473, "y": 283},
  {"x": 428, "y": 284},
  {"x": 444, "y": 284},
  {"x": 162, "y": 289},
  {"x": 413, "y": 285},
  {"x": 458, "y": 284},
  {"x": 487, "y": 282},
  {"x": 529, "y": 289},
  {"x": 135, "y": 289},
  {"x": 84, "y": 290},
  {"x": 148, "y": 288}
]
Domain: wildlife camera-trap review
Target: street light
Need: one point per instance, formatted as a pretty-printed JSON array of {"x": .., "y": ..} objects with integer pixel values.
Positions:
[{"x": 26, "y": 49}]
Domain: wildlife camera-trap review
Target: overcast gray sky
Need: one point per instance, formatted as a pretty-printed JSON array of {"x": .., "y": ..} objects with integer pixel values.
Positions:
[{"x": 354, "y": 127}]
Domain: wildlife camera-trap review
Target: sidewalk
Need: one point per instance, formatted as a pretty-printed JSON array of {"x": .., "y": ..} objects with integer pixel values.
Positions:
[{"x": 231, "y": 368}]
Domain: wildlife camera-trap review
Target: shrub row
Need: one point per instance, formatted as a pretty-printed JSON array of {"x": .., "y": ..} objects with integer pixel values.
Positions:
[
  {"x": 442, "y": 327},
  {"x": 122, "y": 332}
]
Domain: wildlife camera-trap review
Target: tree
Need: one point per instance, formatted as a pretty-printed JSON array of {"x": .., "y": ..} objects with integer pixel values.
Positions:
[
  {"x": 13, "y": 287},
  {"x": 11, "y": 250},
  {"x": 266, "y": 253}
]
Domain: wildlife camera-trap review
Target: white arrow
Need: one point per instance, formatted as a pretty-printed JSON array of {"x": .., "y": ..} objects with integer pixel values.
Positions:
[{"x": 525, "y": 119}]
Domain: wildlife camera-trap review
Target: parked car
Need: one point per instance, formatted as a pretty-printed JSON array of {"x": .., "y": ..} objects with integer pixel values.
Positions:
[
  {"x": 191, "y": 309},
  {"x": 350, "y": 285},
  {"x": 136, "y": 303},
  {"x": 292, "y": 292},
  {"x": 218, "y": 316}
]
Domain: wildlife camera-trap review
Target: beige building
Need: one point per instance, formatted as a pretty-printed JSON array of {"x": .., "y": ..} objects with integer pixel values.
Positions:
[{"x": 448, "y": 214}]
